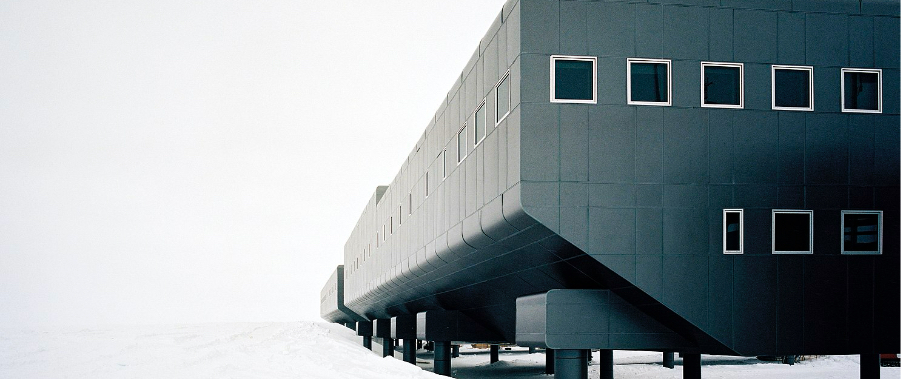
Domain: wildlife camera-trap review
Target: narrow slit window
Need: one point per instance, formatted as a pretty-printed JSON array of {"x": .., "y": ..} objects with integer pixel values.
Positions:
[
  {"x": 733, "y": 231},
  {"x": 503, "y": 98},
  {"x": 792, "y": 232},
  {"x": 649, "y": 81},
  {"x": 426, "y": 184},
  {"x": 722, "y": 85},
  {"x": 443, "y": 164},
  {"x": 861, "y": 90},
  {"x": 410, "y": 203},
  {"x": 461, "y": 144},
  {"x": 573, "y": 79},
  {"x": 479, "y": 123},
  {"x": 793, "y": 88},
  {"x": 861, "y": 232}
]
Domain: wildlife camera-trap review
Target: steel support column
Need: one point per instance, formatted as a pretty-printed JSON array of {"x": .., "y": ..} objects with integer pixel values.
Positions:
[
  {"x": 691, "y": 366},
  {"x": 571, "y": 364},
  {"x": 443, "y": 358},
  {"x": 605, "y": 361}
]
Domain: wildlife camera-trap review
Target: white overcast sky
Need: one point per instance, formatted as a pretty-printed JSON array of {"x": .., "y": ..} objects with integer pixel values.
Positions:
[{"x": 173, "y": 161}]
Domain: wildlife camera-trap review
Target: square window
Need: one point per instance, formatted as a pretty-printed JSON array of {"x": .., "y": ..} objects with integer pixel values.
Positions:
[
  {"x": 461, "y": 144},
  {"x": 479, "y": 121},
  {"x": 793, "y": 88},
  {"x": 862, "y": 232},
  {"x": 733, "y": 231},
  {"x": 503, "y": 98},
  {"x": 861, "y": 90},
  {"x": 792, "y": 232},
  {"x": 722, "y": 85},
  {"x": 649, "y": 82},
  {"x": 573, "y": 79}
]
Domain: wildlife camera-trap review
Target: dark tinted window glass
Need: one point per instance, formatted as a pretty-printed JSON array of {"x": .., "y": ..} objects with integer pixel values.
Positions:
[
  {"x": 792, "y": 232},
  {"x": 649, "y": 82},
  {"x": 792, "y": 88},
  {"x": 722, "y": 85},
  {"x": 862, "y": 232},
  {"x": 862, "y": 90},
  {"x": 733, "y": 231},
  {"x": 573, "y": 80},
  {"x": 503, "y": 98}
]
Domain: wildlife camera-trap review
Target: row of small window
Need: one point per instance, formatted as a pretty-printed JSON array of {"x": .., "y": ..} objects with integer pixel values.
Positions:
[
  {"x": 649, "y": 82},
  {"x": 479, "y": 122},
  {"x": 792, "y": 232}
]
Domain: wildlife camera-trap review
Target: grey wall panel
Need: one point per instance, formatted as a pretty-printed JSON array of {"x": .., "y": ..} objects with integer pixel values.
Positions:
[
  {"x": 686, "y": 83},
  {"x": 611, "y": 84},
  {"x": 891, "y": 98},
  {"x": 543, "y": 18},
  {"x": 792, "y": 38},
  {"x": 827, "y": 39},
  {"x": 685, "y": 144},
  {"x": 721, "y": 30},
  {"x": 880, "y": 7},
  {"x": 782, "y": 5},
  {"x": 791, "y": 147},
  {"x": 790, "y": 197},
  {"x": 886, "y": 149},
  {"x": 861, "y": 149},
  {"x": 574, "y": 27},
  {"x": 756, "y": 147},
  {"x": 649, "y": 30},
  {"x": 838, "y": 6},
  {"x": 860, "y": 41},
  {"x": 721, "y": 146},
  {"x": 649, "y": 144},
  {"x": 755, "y": 36},
  {"x": 611, "y": 19},
  {"x": 887, "y": 34},
  {"x": 611, "y": 144},
  {"x": 685, "y": 33},
  {"x": 826, "y": 149}
]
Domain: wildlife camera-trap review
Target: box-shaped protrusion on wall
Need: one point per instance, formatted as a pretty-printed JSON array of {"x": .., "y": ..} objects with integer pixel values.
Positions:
[
  {"x": 403, "y": 327},
  {"x": 381, "y": 328},
  {"x": 364, "y": 328},
  {"x": 589, "y": 319},
  {"x": 451, "y": 326}
]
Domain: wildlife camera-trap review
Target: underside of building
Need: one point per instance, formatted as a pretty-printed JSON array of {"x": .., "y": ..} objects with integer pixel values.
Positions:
[{"x": 704, "y": 177}]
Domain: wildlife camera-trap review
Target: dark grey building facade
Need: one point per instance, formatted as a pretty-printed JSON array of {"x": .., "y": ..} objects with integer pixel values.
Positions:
[{"x": 700, "y": 176}]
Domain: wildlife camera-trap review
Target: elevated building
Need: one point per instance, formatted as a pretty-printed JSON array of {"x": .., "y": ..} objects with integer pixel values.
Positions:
[{"x": 699, "y": 176}]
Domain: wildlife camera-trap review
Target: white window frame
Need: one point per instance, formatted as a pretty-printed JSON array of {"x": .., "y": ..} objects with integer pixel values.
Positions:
[
  {"x": 497, "y": 100},
  {"x": 773, "y": 69},
  {"x": 464, "y": 152},
  {"x": 475, "y": 123},
  {"x": 669, "y": 81},
  {"x": 594, "y": 78},
  {"x": 741, "y": 231},
  {"x": 773, "y": 227},
  {"x": 876, "y": 71},
  {"x": 741, "y": 84},
  {"x": 878, "y": 230},
  {"x": 443, "y": 164}
]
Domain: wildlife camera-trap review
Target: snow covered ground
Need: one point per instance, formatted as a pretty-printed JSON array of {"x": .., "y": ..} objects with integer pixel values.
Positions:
[{"x": 317, "y": 350}]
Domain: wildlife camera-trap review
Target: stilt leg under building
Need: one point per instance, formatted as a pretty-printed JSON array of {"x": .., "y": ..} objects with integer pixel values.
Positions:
[
  {"x": 549, "y": 361},
  {"x": 605, "y": 362},
  {"x": 443, "y": 358},
  {"x": 387, "y": 347},
  {"x": 669, "y": 359},
  {"x": 494, "y": 351},
  {"x": 869, "y": 366},
  {"x": 409, "y": 351},
  {"x": 455, "y": 351},
  {"x": 571, "y": 364},
  {"x": 691, "y": 366},
  {"x": 531, "y": 350},
  {"x": 367, "y": 342}
]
